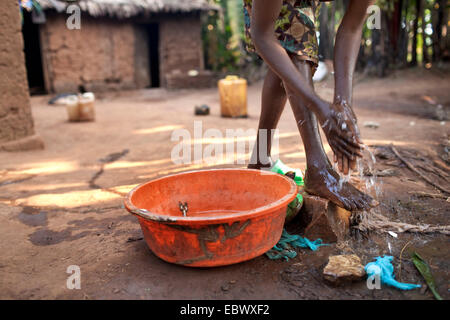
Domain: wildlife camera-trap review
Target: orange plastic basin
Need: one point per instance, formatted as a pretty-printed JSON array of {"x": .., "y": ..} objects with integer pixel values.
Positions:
[{"x": 233, "y": 215}]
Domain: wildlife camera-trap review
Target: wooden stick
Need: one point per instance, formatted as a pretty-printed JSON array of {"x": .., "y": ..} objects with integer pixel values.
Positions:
[
  {"x": 401, "y": 252},
  {"x": 440, "y": 165},
  {"x": 428, "y": 195},
  {"x": 430, "y": 168},
  {"x": 412, "y": 168}
]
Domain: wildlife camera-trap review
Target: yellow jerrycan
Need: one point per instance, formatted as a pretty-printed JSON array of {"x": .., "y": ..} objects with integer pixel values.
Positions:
[{"x": 233, "y": 97}]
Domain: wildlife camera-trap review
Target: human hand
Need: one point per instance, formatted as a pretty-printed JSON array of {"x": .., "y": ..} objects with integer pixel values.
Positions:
[
  {"x": 345, "y": 163},
  {"x": 339, "y": 124},
  {"x": 348, "y": 163}
]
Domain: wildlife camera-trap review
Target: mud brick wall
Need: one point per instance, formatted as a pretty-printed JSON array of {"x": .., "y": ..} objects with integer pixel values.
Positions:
[
  {"x": 108, "y": 54},
  {"x": 15, "y": 112},
  {"x": 181, "y": 46},
  {"x": 205, "y": 79},
  {"x": 99, "y": 56}
]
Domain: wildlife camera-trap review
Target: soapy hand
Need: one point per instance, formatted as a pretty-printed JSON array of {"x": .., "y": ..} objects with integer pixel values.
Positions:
[
  {"x": 338, "y": 122},
  {"x": 345, "y": 163}
]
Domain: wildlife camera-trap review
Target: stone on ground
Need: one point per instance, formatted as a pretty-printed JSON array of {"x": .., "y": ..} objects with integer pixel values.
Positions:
[
  {"x": 344, "y": 268},
  {"x": 323, "y": 219}
]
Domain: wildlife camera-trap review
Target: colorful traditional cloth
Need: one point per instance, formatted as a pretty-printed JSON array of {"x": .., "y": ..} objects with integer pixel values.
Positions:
[{"x": 294, "y": 28}]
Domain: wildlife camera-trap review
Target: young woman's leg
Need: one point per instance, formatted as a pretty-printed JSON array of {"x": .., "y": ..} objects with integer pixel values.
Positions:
[
  {"x": 273, "y": 101},
  {"x": 320, "y": 178}
]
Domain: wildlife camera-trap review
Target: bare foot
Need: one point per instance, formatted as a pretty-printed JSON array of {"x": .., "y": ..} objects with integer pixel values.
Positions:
[{"x": 325, "y": 183}]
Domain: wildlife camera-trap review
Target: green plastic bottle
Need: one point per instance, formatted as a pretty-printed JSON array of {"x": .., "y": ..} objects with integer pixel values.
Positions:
[{"x": 296, "y": 204}]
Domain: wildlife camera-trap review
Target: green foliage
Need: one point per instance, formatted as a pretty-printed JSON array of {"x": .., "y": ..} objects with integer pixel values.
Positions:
[
  {"x": 223, "y": 34},
  {"x": 425, "y": 271},
  {"x": 221, "y": 39}
]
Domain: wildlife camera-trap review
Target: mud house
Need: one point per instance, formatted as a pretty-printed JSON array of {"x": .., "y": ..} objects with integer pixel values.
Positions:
[
  {"x": 121, "y": 44},
  {"x": 16, "y": 122}
]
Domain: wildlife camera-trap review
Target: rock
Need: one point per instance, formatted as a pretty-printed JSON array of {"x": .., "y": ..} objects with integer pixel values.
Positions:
[
  {"x": 33, "y": 142},
  {"x": 383, "y": 153},
  {"x": 371, "y": 124},
  {"x": 298, "y": 283},
  {"x": 386, "y": 173},
  {"x": 202, "y": 110},
  {"x": 442, "y": 113},
  {"x": 344, "y": 268},
  {"x": 323, "y": 219}
]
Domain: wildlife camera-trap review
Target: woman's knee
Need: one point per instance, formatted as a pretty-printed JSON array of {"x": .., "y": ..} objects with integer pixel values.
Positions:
[{"x": 305, "y": 67}]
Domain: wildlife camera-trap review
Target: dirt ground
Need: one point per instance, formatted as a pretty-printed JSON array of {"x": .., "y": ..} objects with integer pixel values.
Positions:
[{"x": 63, "y": 205}]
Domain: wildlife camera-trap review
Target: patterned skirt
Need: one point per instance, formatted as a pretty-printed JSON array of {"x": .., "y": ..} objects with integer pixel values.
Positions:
[{"x": 295, "y": 28}]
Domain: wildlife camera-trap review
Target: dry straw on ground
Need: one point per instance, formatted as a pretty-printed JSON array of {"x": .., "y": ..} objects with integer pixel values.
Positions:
[{"x": 372, "y": 221}]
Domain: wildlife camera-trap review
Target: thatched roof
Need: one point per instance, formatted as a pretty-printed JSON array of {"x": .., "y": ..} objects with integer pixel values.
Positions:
[{"x": 129, "y": 8}]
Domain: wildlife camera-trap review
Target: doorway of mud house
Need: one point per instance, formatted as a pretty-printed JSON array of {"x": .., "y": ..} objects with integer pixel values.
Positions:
[
  {"x": 153, "y": 54},
  {"x": 33, "y": 55}
]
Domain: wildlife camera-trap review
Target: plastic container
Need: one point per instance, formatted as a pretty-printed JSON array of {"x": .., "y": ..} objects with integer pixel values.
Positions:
[
  {"x": 233, "y": 97},
  {"x": 81, "y": 107},
  {"x": 73, "y": 112},
  {"x": 295, "y": 206},
  {"x": 233, "y": 215},
  {"x": 281, "y": 168},
  {"x": 86, "y": 107}
]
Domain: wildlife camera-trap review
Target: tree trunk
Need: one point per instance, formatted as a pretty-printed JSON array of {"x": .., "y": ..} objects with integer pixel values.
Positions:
[
  {"x": 438, "y": 21},
  {"x": 403, "y": 37},
  {"x": 416, "y": 27},
  {"x": 395, "y": 23},
  {"x": 445, "y": 41},
  {"x": 426, "y": 57},
  {"x": 375, "y": 59},
  {"x": 326, "y": 42},
  {"x": 384, "y": 46}
]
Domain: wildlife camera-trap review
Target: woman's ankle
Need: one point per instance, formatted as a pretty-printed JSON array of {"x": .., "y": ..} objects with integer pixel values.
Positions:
[{"x": 261, "y": 164}]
